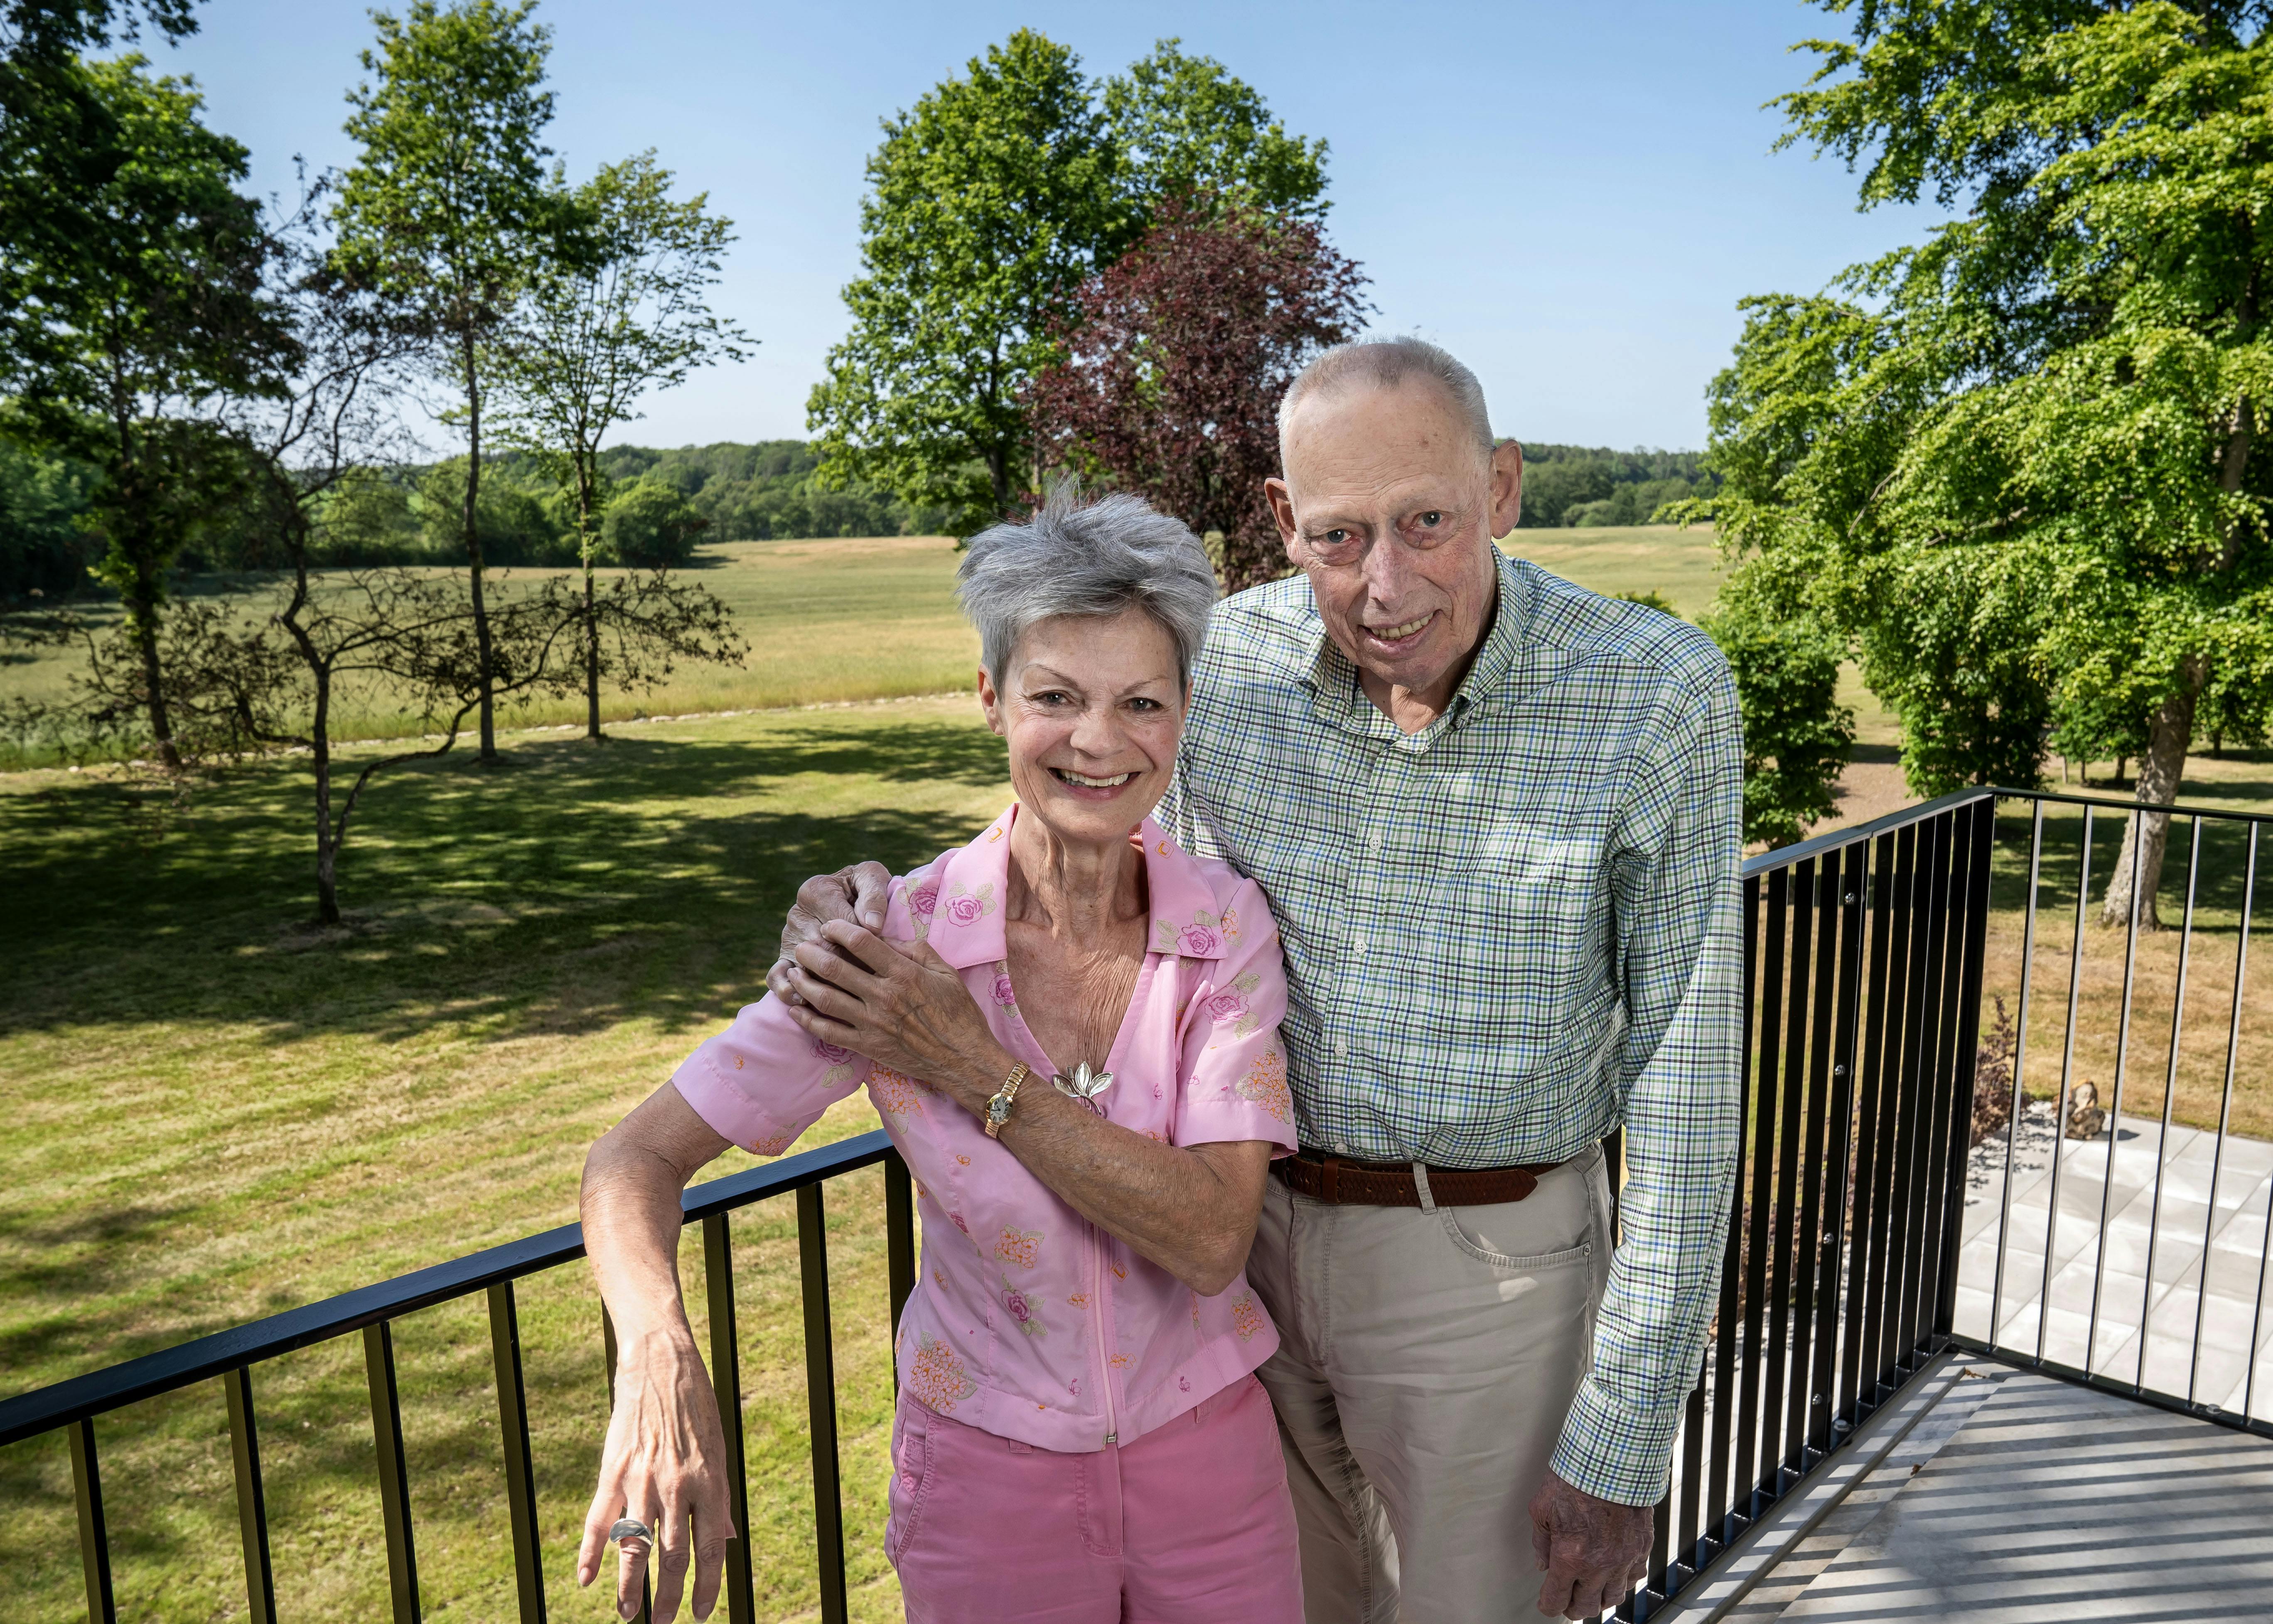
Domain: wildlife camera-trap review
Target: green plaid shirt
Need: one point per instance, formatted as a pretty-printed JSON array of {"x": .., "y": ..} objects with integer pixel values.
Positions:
[{"x": 1508, "y": 934}]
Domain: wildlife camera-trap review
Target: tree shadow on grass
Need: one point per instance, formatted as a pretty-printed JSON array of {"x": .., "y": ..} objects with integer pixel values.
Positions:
[{"x": 513, "y": 898}]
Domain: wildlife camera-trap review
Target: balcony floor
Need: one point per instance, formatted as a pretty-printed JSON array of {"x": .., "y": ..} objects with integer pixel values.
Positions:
[{"x": 1998, "y": 1495}]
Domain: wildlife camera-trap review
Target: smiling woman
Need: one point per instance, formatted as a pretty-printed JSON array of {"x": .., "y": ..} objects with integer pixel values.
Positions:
[{"x": 1071, "y": 1028}]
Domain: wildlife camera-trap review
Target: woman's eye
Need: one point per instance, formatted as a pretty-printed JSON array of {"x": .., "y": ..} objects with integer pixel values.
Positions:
[{"x": 1145, "y": 704}]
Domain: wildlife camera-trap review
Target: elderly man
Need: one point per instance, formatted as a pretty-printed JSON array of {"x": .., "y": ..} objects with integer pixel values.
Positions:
[{"x": 1497, "y": 817}]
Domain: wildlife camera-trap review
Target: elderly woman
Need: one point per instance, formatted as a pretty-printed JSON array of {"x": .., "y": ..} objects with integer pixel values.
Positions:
[{"x": 1070, "y": 1026}]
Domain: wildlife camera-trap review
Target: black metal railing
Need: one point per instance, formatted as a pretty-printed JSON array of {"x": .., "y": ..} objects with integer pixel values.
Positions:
[
  {"x": 2022, "y": 1318},
  {"x": 230, "y": 1356},
  {"x": 1864, "y": 955}
]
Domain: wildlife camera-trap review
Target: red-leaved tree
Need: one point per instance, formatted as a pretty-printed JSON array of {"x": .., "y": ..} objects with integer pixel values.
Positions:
[{"x": 1174, "y": 359}]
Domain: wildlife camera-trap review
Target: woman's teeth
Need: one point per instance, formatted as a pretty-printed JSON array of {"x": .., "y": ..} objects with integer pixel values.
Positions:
[
  {"x": 1093, "y": 783},
  {"x": 1390, "y": 634}
]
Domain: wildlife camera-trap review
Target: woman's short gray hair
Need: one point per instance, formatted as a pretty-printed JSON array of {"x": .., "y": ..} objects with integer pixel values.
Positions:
[{"x": 1075, "y": 557}]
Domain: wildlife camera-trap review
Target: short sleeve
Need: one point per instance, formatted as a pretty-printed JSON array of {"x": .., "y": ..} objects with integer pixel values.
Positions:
[
  {"x": 763, "y": 1082},
  {"x": 1232, "y": 1066}
]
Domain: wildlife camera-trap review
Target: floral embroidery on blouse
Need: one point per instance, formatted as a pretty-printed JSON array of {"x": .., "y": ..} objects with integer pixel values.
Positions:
[
  {"x": 895, "y": 1094},
  {"x": 936, "y": 1377},
  {"x": 923, "y": 902},
  {"x": 1021, "y": 1308},
  {"x": 966, "y": 907},
  {"x": 1246, "y": 1318},
  {"x": 1079, "y": 1299},
  {"x": 1004, "y": 993},
  {"x": 1265, "y": 1085},
  {"x": 1120, "y": 1361},
  {"x": 839, "y": 1059},
  {"x": 1023, "y": 1247},
  {"x": 1230, "y": 1005},
  {"x": 774, "y": 1146},
  {"x": 1201, "y": 938}
]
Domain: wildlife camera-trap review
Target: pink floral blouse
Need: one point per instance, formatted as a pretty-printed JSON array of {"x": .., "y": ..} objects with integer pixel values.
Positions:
[{"x": 1029, "y": 1320}]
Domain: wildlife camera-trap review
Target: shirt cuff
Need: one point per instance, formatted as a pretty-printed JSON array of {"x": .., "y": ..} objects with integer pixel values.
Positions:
[{"x": 1615, "y": 1451}]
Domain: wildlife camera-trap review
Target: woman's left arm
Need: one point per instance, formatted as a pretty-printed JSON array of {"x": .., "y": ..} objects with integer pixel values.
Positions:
[{"x": 1190, "y": 1209}]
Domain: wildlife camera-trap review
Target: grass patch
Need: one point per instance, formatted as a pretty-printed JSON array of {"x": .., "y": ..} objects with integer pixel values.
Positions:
[{"x": 213, "y": 1113}]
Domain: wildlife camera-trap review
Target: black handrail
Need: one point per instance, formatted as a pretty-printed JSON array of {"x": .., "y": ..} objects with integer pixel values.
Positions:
[{"x": 1864, "y": 951}]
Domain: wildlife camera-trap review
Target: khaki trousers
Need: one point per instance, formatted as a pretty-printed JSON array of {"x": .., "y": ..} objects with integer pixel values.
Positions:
[{"x": 1426, "y": 1362}]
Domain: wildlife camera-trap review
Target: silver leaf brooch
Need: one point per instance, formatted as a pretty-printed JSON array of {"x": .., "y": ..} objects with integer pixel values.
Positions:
[{"x": 1085, "y": 1085}]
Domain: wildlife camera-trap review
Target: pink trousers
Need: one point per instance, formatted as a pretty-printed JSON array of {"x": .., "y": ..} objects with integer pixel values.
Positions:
[{"x": 1190, "y": 1525}]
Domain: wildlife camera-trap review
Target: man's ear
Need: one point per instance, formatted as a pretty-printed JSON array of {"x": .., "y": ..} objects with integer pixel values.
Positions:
[
  {"x": 1282, "y": 511},
  {"x": 1506, "y": 488}
]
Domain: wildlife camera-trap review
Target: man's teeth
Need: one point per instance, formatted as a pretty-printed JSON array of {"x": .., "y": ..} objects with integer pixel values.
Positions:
[
  {"x": 1390, "y": 634},
  {"x": 1093, "y": 783}
]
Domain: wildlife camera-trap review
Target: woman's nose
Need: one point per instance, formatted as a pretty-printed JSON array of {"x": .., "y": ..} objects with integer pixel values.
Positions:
[{"x": 1095, "y": 732}]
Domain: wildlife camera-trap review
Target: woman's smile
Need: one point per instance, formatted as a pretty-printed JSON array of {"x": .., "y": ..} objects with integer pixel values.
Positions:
[{"x": 1087, "y": 788}]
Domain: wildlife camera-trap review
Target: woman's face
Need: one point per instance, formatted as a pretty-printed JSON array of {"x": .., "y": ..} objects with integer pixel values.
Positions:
[{"x": 1091, "y": 708}]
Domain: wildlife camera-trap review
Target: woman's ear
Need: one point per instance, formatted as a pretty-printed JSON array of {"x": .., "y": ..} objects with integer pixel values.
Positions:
[{"x": 990, "y": 702}]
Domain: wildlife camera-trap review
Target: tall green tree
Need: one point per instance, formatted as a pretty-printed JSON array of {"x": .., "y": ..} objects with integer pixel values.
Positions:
[
  {"x": 988, "y": 202},
  {"x": 1186, "y": 127},
  {"x": 447, "y": 207},
  {"x": 124, "y": 341},
  {"x": 598, "y": 330},
  {"x": 2017, "y": 463}
]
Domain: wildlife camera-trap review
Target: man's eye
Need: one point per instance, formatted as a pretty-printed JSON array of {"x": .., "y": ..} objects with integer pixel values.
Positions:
[
  {"x": 1335, "y": 538},
  {"x": 1432, "y": 517}
]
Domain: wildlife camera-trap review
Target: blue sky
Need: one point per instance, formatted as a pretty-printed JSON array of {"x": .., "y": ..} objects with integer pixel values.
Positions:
[{"x": 1572, "y": 196}]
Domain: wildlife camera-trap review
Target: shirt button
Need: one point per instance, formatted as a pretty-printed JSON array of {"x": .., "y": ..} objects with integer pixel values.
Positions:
[
  {"x": 1373, "y": 840},
  {"x": 1341, "y": 1046},
  {"x": 1340, "y": 1148},
  {"x": 1357, "y": 943}
]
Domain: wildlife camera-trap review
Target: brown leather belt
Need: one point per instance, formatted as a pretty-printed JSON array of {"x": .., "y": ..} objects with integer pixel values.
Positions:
[{"x": 1391, "y": 1183}]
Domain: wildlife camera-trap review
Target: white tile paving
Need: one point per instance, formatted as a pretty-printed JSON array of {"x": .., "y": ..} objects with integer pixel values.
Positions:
[{"x": 2142, "y": 1229}]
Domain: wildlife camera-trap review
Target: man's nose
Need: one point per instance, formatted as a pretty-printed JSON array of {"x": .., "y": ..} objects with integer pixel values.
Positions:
[{"x": 1388, "y": 570}]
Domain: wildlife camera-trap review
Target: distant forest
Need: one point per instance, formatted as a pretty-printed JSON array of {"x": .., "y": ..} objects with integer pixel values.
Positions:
[
  {"x": 723, "y": 492},
  {"x": 1587, "y": 486}
]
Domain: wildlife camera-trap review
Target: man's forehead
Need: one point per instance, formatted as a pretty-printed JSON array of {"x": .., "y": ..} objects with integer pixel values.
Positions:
[{"x": 1367, "y": 439}]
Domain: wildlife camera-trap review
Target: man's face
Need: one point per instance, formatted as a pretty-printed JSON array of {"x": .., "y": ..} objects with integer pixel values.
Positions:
[{"x": 1390, "y": 506}]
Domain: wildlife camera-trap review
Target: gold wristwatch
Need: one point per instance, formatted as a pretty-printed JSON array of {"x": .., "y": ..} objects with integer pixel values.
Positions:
[{"x": 998, "y": 1108}]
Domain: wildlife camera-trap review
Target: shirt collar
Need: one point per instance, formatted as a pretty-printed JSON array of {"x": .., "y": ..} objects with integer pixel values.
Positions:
[
  {"x": 973, "y": 883},
  {"x": 1333, "y": 676}
]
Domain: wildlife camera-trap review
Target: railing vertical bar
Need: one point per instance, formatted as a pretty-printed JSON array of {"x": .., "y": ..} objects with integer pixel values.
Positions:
[
  {"x": 2067, "y": 1072},
  {"x": 2226, "y": 1112},
  {"x": 1660, "y": 1544},
  {"x": 2020, "y": 1062},
  {"x": 1853, "y": 872},
  {"x": 821, "y": 1404},
  {"x": 520, "y": 1468},
  {"x": 2170, "y": 1095},
  {"x": 1871, "y": 928},
  {"x": 726, "y": 1381},
  {"x": 1755, "y": 1261},
  {"x": 1781, "y": 1263},
  {"x": 1894, "y": 1351},
  {"x": 1807, "y": 1395},
  {"x": 251, "y": 1496},
  {"x": 1692, "y": 1485},
  {"x": 1723, "y": 1492},
  {"x": 393, "y": 1471},
  {"x": 93, "y": 1527},
  {"x": 899, "y": 1242},
  {"x": 2265, "y": 1249},
  {"x": 1874, "y": 1160},
  {"x": 1926, "y": 1218},
  {"x": 1892, "y": 892},
  {"x": 1972, "y": 947},
  {"x": 608, "y": 1349},
  {"x": 2115, "y": 1105}
]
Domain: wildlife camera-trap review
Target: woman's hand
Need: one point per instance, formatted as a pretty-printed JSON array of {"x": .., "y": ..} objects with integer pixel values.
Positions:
[
  {"x": 902, "y": 1007},
  {"x": 665, "y": 1465}
]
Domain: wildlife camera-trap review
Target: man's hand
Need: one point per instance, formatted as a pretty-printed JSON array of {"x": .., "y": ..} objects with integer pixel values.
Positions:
[
  {"x": 855, "y": 895},
  {"x": 665, "y": 1464},
  {"x": 900, "y": 1006},
  {"x": 1594, "y": 1551}
]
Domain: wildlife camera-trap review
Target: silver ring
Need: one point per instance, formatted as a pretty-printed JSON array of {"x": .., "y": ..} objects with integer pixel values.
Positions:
[{"x": 630, "y": 1528}]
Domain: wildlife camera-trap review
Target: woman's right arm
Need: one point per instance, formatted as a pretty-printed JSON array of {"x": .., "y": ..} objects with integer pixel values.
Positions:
[{"x": 665, "y": 1461}]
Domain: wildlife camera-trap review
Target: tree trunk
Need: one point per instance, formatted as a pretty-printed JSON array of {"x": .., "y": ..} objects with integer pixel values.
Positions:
[
  {"x": 327, "y": 845},
  {"x": 144, "y": 613},
  {"x": 2147, "y": 834},
  {"x": 483, "y": 672},
  {"x": 591, "y": 614}
]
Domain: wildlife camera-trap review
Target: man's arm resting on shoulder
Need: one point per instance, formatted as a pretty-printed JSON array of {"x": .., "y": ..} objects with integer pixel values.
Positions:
[{"x": 859, "y": 896}]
